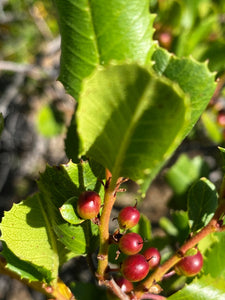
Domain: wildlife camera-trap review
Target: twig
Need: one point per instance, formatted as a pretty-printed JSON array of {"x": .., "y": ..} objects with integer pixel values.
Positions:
[
  {"x": 215, "y": 225},
  {"x": 116, "y": 289},
  {"x": 109, "y": 200}
]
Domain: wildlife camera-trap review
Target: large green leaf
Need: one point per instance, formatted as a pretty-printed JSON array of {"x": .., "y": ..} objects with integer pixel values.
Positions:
[
  {"x": 193, "y": 77},
  {"x": 130, "y": 120},
  {"x": 204, "y": 288},
  {"x": 202, "y": 203},
  {"x": 95, "y": 32}
]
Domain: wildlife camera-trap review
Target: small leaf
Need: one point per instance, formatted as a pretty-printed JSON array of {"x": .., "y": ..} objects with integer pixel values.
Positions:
[
  {"x": 202, "y": 203},
  {"x": 144, "y": 106},
  {"x": 181, "y": 175},
  {"x": 95, "y": 33},
  {"x": 69, "y": 213},
  {"x": 50, "y": 121},
  {"x": 191, "y": 252},
  {"x": 168, "y": 226},
  {"x": 181, "y": 222},
  {"x": 184, "y": 172},
  {"x": 204, "y": 288},
  {"x": 214, "y": 132}
]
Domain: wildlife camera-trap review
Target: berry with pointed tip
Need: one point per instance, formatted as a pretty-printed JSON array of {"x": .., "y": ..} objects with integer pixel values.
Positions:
[
  {"x": 153, "y": 257},
  {"x": 125, "y": 285},
  {"x": 128, "y": 217},
  {"x": 190, "y": 265},
  {"x": 88, "y": 205},
  {"x": 131, "y": 243},
  {"x": 135, "y": 267}
]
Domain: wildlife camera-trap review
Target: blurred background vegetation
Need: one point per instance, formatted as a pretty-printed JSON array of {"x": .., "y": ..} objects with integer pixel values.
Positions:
[{"x": 37, "y": 111}]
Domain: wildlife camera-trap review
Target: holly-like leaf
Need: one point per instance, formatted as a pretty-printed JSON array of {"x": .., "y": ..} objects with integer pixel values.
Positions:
[
  {"x": 34, "y": 230},
  {"x": 133, "y": 124},
  {"x": 204, "y": 288},
  {"x": 193, "y": 77},
  {"x": 1, "y": 123},
  {"x": 26, "y": 229},
  {"x": 202, "y": 203},
  {"x": 25, "y": 269},
  {"x": 95, "y": 33}
]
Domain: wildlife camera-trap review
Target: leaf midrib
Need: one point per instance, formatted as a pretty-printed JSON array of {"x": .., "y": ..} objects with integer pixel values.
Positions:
[{"x": 129, "y": 132}]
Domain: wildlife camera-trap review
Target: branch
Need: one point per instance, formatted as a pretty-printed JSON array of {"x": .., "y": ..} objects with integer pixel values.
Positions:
[
  {"x": 109, "y": 200},
  {"x": 215, "y": 225}
]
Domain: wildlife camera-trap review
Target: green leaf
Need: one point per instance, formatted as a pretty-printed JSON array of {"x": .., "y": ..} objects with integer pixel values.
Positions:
[
  {"x": 193, "y": 77},
  {"x": 213, "y": 130},
  {"x": 35, "y": 231},
  {"x": 202, "y": 203},
  {"x": 26, "y": 229},
  {"x": 60, "y": 184},
  {"x": 204, "y": 288},
  {"x": 184, "y": 172},
  {"x": 124, "y": 126},
  {"x": 69, "y": 212},
  {"x": 181, "y": 222},
  {"x": 25, "y": 269},
  {"x": 50, "y": 121},
  {"x": 95, "y": 33},
  {"x": 214, "y": 263},
  {"x": 1, "y": 123},
  {"x": 181, "y": 175}
]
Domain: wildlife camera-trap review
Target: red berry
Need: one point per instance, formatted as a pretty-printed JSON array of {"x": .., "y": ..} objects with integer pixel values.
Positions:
[
  {"x": 128, "y": 217},
  {"x": 135, "y": 267},
  {"x": 131, "y": 243},
  {"x": 88, "y": 205},
  {"x": 221, "y": 118},
  {"x": 190, "y": 265},
  {"x": 153, "y": 257},
  {"x": 125, "y": 285}
]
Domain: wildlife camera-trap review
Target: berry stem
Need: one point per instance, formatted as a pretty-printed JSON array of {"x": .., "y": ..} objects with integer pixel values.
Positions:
[{"x": 213, "y": 226}]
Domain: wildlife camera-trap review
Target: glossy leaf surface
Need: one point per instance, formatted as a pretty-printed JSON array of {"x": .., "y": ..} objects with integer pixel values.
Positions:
[{"x": 96, "y": 32}]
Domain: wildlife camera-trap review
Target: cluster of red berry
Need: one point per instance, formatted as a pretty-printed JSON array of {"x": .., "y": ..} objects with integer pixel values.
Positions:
[{"x": 136, "y": 265}]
